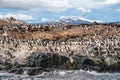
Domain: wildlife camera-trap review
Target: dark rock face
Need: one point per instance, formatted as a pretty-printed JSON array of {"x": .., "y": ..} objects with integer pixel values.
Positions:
[
  {"x": 46, "y": 60},
  {"x": 54, "y": 60},
  {"x": 99, "y": 64},
  {"x": 39, "y": 62}
]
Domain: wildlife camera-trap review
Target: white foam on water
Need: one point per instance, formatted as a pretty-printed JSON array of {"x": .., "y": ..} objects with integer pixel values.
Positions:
[
  {"x": 68, "y": 75},
  {"x": 42, "y": 74},
  {"x": 93, "y": 72},
  {"x": 97, "y": 74},
  {"x": 62, "y": 73}
]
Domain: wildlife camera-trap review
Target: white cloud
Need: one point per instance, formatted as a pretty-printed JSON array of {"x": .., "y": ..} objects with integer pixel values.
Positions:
[
  {"x": 111, "y": 1},
  {"x": 118, "y": 10},
  {"x": 92, "y": 4},
  {"x": 56, "y": 5},
  {"x": 84, "y": 10},
  {"x": 18, "y": 16},
  {"x": 32, "y": 4},
  {"x": 44, "y": 20},
  {"x": 87, "y": 4},
  {"x": 47, "y": 19},
  {"x": 1, "y": 16}
]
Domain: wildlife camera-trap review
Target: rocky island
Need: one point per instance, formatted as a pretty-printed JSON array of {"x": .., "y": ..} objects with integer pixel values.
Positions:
[{"x": 35, "y": 48}]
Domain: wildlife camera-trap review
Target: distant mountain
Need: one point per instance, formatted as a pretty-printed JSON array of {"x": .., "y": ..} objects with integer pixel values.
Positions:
[
  {"x": 73, "y": 20},
  {"x": 113, "y": 22}
]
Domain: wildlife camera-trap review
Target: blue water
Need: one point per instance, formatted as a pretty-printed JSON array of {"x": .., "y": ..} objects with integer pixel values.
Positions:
[{"x": 63, "y": 75}]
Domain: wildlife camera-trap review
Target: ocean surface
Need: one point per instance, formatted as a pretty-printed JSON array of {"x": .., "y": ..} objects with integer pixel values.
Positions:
[{"x": 63, "y": 75}]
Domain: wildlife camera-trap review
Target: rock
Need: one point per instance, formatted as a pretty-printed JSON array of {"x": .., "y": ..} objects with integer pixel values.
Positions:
[
  {"x": 79, "y": 61},
  {"x": 28, "y": 70},
  {"x": 37, "y": 62},
  {"x": 70, "y": 65},
  {"x": 111, "y": 60},
  {"x": 35, "y": 71},
  {"x": 2, "y": 67},
  {"x": 112, "y": 64},
  {"x": 89, "y": 63},
  {"x": 46, "y": 60},
  {"x": 17, "y": 71}
]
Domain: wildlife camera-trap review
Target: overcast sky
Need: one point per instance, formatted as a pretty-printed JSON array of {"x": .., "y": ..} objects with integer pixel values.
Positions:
[{"x": 45, "y": 10}]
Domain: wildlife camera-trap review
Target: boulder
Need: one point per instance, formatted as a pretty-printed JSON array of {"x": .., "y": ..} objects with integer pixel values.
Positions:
[{"x": 46, "y": 60}]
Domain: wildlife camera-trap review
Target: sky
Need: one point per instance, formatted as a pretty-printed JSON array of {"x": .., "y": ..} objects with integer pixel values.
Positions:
[{"x": 35, "y": 11}]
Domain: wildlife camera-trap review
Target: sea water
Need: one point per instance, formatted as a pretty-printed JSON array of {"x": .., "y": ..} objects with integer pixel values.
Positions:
[{"x": 63, "y": 75}]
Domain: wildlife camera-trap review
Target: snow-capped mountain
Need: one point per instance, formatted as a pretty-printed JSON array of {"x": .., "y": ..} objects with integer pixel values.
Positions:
[
  {"x": 76, "y": 20},
  {"x": 80, "y": 20},
  {"x": 72, "y": 20}
]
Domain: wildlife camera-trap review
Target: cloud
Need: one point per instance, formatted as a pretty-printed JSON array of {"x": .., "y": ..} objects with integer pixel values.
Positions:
[
  {"x": 18, "y": 16},
  {"x": 84, "y": 10},
  {"x": 32, "y": 4},
  {"x": 44, "y": 19},
  {"x": 56, "y": 5},
  {"x": 1, "y": 16},
  {"x": 87, "y": 4},
  {"x": 92, "y": 4},
  {"x": 111, "y": 1},
  {"x": 118, "y": 10}
]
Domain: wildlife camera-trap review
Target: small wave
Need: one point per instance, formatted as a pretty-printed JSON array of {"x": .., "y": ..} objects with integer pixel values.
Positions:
[{"x": 67, "y": 75}]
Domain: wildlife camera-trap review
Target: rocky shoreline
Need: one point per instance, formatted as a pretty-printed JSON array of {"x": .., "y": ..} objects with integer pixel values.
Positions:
[
  {"x": 33, "y": 58},
  {"x": 39, "y": 62},
  {"x": 33, "y": 49}
]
